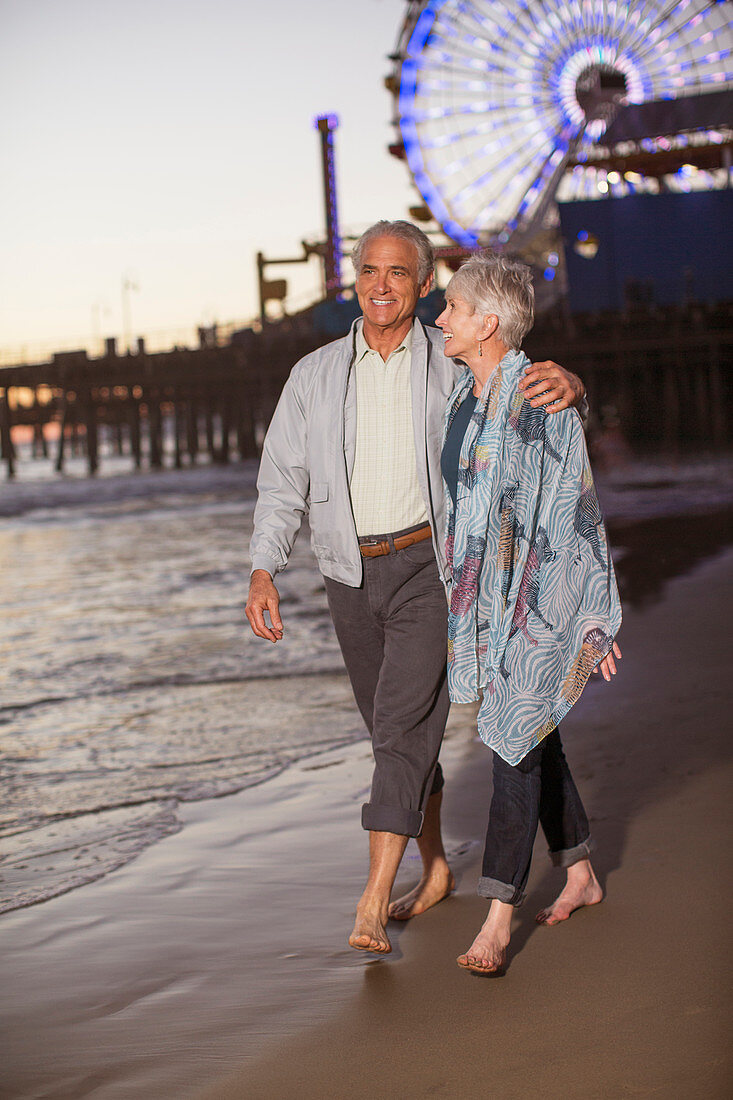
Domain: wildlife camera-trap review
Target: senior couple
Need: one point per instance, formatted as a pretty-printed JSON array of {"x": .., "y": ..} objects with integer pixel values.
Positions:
[{"x": 428, "y": 464}]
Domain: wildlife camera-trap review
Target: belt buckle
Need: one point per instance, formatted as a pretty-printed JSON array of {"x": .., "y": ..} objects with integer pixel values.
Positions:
[{"x": 379, "y": 546}]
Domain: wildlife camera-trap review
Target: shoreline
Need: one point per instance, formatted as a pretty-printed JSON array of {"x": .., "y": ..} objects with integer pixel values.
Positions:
[
  {"x": 216, "y": 965},
  {"x": 156, "y": 938}
]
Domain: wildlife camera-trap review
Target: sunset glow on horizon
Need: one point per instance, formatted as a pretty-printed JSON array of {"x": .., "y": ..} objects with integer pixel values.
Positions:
[{"x": 152, "y": 149}]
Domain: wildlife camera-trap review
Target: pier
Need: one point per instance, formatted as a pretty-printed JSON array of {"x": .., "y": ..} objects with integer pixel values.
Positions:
[
  {"x": 664, "y": 375},
  {"x": 178, "y": 407}
]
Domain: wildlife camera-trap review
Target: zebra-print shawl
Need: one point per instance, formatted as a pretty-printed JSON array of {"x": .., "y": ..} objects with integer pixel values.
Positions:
[{"x": 533, "y": 601}]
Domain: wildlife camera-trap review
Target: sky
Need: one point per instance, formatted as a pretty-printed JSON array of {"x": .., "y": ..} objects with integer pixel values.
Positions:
[{"x": 162, "y": 143}]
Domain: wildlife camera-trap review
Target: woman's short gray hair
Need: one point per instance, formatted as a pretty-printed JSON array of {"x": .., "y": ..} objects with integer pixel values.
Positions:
[
  {"x": 403, "y": 231},
  {"x": 492, "y": 283}
]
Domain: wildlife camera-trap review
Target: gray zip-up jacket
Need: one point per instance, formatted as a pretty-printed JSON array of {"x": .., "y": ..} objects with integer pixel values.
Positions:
[{"x": 308, "y": 455}]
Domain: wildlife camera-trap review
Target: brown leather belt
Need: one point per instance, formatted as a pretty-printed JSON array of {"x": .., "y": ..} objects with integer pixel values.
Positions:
[{"x": 374, "y": 548}]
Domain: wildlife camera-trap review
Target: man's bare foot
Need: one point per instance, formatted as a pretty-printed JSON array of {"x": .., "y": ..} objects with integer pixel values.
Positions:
[
  {"x": 385, "y": 852},
  {"x": 487, "y": 953},
  {"x": 582, "y": 888},
  {"x": 369, "y": 934},
  {"x": 431, "y": 889}
]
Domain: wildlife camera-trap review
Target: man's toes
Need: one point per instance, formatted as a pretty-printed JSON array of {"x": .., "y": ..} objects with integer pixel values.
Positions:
[
  {"x": 362, "y": 941},
  {"x": 379, "y": 947},
  {"x": 405, "y": 907},
  {"x": 407, "y": 910}
]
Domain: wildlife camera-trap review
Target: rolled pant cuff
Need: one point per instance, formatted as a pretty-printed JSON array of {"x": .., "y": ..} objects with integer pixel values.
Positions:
[
  {"x": 391, "y": 819},
  {"x": 568, "y": 856},
  {"x": 492, "y": 888}
]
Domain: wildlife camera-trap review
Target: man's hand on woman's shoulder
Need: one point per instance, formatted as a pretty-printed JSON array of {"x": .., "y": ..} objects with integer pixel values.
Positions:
[{"x": 550, "y": 385}]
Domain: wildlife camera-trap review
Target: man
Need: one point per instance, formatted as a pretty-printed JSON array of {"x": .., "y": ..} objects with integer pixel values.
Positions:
[{"x": 355, "y": 442}]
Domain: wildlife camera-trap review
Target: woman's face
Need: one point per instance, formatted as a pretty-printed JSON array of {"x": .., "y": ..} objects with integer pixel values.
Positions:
[{"x": 461, "y": 327}]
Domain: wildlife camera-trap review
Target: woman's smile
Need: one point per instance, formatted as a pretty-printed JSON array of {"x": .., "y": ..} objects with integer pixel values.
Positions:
[{"x": 460, "y": 326}]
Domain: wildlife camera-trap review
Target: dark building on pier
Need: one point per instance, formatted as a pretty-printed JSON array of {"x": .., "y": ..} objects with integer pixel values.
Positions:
[{"x": 662, "y": 250}]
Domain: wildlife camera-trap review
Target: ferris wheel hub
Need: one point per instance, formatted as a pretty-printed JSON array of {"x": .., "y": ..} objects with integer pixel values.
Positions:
[{"x": 599, "y": 91}]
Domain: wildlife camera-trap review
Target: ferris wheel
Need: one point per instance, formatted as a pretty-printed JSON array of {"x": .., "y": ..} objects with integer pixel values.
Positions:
[{"x": 496, "y": 99}]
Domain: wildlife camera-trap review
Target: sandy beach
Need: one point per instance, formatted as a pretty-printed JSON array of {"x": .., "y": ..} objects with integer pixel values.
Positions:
[
  {"x": 215, "y": 964},
  {"x": 628, "y": 999}
]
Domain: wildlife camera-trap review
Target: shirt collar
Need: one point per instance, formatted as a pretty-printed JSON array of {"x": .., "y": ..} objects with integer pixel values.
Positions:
[{"x": 362, "y": 348}]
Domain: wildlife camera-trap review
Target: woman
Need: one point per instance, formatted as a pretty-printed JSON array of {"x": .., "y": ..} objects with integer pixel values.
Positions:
[{"x": 533, "y": 603}]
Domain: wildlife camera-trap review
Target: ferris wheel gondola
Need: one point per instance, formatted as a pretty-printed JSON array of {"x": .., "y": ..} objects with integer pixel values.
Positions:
[{"x": 496, "y": 99}]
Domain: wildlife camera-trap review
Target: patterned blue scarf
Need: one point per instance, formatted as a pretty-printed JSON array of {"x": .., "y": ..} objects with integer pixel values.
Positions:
[{"x": 533, "y": 602}]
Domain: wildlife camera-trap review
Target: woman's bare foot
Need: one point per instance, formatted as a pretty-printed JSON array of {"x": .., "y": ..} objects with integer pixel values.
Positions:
[
  {"x": 369, "y": 934},
  {"x": 487, "y": 953},
  {"x": 582, "y": 888},
  {"x": 432, "y": 888}
]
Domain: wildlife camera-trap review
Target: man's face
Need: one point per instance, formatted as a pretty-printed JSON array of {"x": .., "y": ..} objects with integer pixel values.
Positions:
[{"x": 386, "y": 283}]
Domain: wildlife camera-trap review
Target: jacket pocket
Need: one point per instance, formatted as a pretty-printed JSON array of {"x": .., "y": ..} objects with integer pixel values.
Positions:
[{"x": 319, "y": 492}]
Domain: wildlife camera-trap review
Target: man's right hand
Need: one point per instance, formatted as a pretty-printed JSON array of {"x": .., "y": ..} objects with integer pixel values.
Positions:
[{"x": 263, "y": 596}]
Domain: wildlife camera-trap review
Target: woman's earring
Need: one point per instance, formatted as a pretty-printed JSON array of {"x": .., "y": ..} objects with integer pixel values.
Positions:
[{"x": 480, "y": 350}]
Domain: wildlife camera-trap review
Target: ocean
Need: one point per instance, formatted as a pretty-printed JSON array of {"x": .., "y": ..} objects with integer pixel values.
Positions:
[{"x": 130, "y": 680}]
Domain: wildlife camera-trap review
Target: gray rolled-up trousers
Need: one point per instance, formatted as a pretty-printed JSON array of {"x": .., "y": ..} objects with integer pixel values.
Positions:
[{"x": 392, "y": 633}]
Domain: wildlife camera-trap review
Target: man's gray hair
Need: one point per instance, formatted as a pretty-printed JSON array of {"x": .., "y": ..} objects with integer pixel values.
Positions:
[
  {"x": 403, "y": 231},
  {"x": 492, "y": 283}
]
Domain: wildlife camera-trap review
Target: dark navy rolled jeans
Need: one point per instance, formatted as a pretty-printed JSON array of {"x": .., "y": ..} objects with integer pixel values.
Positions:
[
  {"x": 392, "y": 632},
  {"x": 540, "y": 789}
]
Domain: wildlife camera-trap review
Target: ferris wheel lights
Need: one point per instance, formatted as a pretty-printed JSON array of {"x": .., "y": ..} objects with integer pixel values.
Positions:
[
  {"x": 524, "y": 77},
  {"x": 595, "y": 129}
]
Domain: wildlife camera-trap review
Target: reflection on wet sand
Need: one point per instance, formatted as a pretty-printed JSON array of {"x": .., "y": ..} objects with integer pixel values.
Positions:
[{"x": 649, "y": 553}]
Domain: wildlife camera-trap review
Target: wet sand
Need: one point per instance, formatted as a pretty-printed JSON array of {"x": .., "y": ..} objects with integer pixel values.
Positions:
[{"x": 215, "y": 965}]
